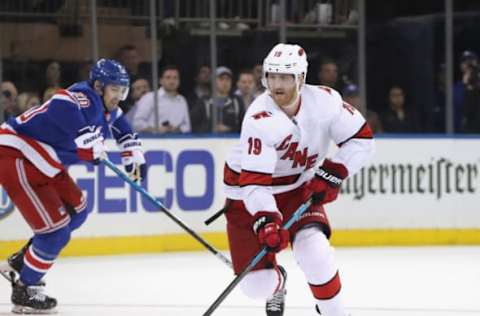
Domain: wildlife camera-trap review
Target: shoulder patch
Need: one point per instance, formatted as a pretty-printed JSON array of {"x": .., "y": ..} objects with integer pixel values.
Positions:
[
  {"x": 262, "y": 114},
  {"x": 82, "y": 99}
]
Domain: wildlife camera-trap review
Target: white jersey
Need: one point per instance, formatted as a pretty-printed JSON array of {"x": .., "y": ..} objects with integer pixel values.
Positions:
[{"x": 276, "y": 153}]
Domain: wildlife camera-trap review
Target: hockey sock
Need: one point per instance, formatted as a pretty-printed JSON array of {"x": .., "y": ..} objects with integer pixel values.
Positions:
[
  {"x": 315, "y": 257},
  {"x": 41, "y": 254}
]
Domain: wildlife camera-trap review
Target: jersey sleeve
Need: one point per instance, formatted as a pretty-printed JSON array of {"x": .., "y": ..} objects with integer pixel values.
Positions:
[
  {"x": 64, "y": 110},
  {"x": 258, "y": 162},
  {"x": 351, "y": 133},
  {"x": 120, "y": 127}
]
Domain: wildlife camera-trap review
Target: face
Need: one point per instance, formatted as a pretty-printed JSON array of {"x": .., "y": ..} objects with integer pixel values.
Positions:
[
  {"x": 246, "y": 83},
  {"x": 468, "y": 64},
  {"x": 112, "y": 95},
  {"x": 53, "y": 72},
  {"x": 170, "y": 80},
  {"x": 139, "y": 88},
  {"x": 203, "y": 76},
  {"x": 130, "y": 59},
  {"x": 224, "y": 84},
  {"x": 328, "y": 74},
  {"x": 33, "y": 101},
  {"x": 258, "y": 72},
  {"x": 397, "y": 98},
  {"x": 282, "y": 88},
  {"x": 9, "y": 95}
]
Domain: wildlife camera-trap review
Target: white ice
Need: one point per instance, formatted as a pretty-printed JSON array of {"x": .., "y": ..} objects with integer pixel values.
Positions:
[{"x": 422, "y": 281}]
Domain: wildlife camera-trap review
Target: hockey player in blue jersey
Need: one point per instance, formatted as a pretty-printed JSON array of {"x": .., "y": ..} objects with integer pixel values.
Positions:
[{"x": 35, "y": 149}]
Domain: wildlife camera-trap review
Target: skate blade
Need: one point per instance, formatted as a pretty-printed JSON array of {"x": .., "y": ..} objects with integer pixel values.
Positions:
[
  {"x": 7, "y": 274},
  {"x": 24, "y": 310}
]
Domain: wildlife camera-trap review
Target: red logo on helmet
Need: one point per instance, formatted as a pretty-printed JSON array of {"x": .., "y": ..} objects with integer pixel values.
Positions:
[
  {"x": 301, "y": 51},
  {"x": 277, "y": 54}
]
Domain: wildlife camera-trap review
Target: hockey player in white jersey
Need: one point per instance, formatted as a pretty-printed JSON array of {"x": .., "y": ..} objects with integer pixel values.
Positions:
[{"x": 285, "y": 134}]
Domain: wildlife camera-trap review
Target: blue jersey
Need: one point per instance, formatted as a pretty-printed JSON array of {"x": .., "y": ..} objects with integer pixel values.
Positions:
[{"x": 46, "y": 134}]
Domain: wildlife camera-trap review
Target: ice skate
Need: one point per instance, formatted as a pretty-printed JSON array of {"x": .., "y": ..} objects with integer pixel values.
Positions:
[
  {"x": 276, "y": 304},
  {"x": 31, "y": 299}
]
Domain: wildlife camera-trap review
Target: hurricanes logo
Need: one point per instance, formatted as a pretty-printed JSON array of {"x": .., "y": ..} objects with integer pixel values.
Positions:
[{"x": 6, "y": 205}]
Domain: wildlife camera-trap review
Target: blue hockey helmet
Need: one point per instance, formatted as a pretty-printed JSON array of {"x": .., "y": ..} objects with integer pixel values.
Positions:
[{"x": 110, "y": 72}]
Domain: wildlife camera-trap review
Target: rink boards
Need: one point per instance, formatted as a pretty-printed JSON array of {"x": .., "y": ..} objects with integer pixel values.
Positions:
[{"x": 415, "y": 191}]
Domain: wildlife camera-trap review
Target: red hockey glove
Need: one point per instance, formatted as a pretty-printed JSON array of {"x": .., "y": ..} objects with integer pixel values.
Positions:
[
  {"x": 132, "y": 157},
  {"x": 267, "y": 226},
  {"x": 326, "y": 183},
  {"x": 90, "y": 146}
]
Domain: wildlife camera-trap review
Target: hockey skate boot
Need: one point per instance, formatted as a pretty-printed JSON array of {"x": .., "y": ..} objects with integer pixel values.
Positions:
[
  {"x": 276, "y": 304},
  {"x": 31, "y": 299}
]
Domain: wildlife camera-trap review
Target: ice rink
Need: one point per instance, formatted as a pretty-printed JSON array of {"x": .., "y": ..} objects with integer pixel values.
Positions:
[{"x": 421, "y": 281}]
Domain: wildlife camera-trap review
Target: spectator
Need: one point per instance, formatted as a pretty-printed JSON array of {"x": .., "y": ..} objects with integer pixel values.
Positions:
[
  {"x": 351, "y": 95},
  {"x": 9, "y": 99},
  {"x": 468, "y": 61},
  {"x": 328, "y": 74},
  {"x": 258, "y": 74},
  {"x": 397, "y": 118},
  {"x": 27, "y": 100},
  {"x": 471, "y": 105},
  {"x": 139, "y": 88},
  {"x": 223, "y": 113},
  {"x": 246, "y": 87},
  {"x": 172, "y": 107},
  {"x": 201, "y": 90},
  {"x": 53, "y": 77},
  {"x": 128, "y": 55}
]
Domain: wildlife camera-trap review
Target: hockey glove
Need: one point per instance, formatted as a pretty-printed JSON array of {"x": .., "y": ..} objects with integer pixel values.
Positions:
[
  {"x": 267, "y": 226},
  {"x": 132, "y": 157},
  {"x": 326, "y": 183},
  {"x": 90, "y": 146}
]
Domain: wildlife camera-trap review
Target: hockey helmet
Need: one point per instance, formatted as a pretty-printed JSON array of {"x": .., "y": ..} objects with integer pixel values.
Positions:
[
  {"x": 110, "y": 72},
  {"x": 285, "y": 59}
]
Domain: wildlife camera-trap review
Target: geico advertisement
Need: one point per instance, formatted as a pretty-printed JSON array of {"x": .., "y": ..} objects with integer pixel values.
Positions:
[
  {"x": 185, "y": 175},
  {"x": 410, "y": 183}
]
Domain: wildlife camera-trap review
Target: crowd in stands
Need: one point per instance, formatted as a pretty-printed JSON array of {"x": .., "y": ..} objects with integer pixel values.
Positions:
[{"x": 202, "y": 111}]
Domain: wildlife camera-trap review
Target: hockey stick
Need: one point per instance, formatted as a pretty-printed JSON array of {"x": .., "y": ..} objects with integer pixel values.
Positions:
[
  {"x": 256, "y": 259},
  {"x": 157, "y": 203}
]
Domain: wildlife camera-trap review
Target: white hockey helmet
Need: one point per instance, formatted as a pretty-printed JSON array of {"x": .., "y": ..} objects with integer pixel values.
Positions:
[{"x": 285, "y": 59}]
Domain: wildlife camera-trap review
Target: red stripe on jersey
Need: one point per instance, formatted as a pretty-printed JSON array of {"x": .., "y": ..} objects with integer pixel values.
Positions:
[
  {"x": 35, "y": 263},
  {"x": 327, "y": 290},
  {"x": 254, "y": 178},
  {"x": 285, "y": 180},
  {"x": 65, "y": 92},
  {"x": 364, "y": 132},
  {"x": 38, "y": 148},
  {"x": 230, "y": 176}
]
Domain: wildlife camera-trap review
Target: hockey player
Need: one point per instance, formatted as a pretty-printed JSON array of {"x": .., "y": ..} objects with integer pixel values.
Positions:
[
  {"x": 35, "y": 149},
  {"x": 286, "y": 132}
]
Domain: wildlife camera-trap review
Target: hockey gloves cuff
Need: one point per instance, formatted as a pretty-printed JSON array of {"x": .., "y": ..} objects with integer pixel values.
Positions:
[
  {"x": 325, "y": 185},
  {"x": 90, "y": 146},
  {"x": 267, "y": 226},
  {"x": 132, "y": 157}
]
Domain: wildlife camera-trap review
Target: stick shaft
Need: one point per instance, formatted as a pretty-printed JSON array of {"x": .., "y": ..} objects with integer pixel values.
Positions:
[
  {"x": 157, "y": 203},
  {"x": 256, "y": 259}
]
